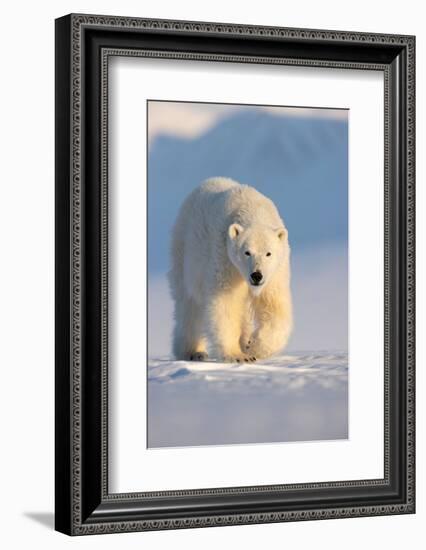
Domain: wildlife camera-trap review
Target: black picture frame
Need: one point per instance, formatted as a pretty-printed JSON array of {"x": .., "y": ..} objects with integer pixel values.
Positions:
[{"x": 83, "y": 504}]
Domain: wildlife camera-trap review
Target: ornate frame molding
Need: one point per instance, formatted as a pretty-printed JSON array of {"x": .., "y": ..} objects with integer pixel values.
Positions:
[{"x": 72, "y": 46}]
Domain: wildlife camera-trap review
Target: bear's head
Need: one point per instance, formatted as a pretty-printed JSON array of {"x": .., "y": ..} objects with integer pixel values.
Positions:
[{"x": 257, "y": 252}]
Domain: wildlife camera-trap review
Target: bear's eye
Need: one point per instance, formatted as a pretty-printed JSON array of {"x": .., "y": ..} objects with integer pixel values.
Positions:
[
  {"x": 247, "y": 253},
  {"x": 268, "y": 253}
]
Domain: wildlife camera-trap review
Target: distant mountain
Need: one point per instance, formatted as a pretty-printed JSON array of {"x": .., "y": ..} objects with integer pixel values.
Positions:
[{"x": 300, "y": 163}]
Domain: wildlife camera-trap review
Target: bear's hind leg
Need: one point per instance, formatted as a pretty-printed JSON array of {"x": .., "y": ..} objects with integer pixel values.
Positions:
[{"x": 189, "y": 342}]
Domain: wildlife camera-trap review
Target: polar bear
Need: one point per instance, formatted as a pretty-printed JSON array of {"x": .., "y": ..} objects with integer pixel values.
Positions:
[{"x": 230, "y": 275}]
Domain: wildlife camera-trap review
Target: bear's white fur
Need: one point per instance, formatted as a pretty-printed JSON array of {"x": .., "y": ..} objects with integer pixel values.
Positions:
[{"x": 224, "y": 233}]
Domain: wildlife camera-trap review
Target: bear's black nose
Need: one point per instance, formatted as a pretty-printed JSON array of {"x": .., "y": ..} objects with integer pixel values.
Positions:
[{"x": 256, "y": 277}]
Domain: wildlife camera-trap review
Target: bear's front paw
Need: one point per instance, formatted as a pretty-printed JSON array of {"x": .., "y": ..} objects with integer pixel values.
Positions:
[
  {"x": 239, "y": 359},
  {"x": 247, "y": 345},
  {"x": 256, "y": 348},
  {"x": 199, "y": 356}
]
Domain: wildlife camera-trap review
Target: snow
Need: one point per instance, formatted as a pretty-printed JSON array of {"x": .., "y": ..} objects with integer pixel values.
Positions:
[{"x": 292, "y": 397}]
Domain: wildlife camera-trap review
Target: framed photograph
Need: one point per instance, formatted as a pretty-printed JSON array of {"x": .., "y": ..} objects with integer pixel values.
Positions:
[{"x": 234, "y": 274}]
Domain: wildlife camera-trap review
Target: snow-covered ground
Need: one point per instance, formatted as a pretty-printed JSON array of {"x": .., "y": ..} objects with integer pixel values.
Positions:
[{"x": 292, "y": 397}]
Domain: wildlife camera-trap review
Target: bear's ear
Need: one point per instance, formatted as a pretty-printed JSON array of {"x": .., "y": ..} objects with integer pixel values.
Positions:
[
  {"x": 234, "y": 230},
  {"x": 281, "y": 233}
]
